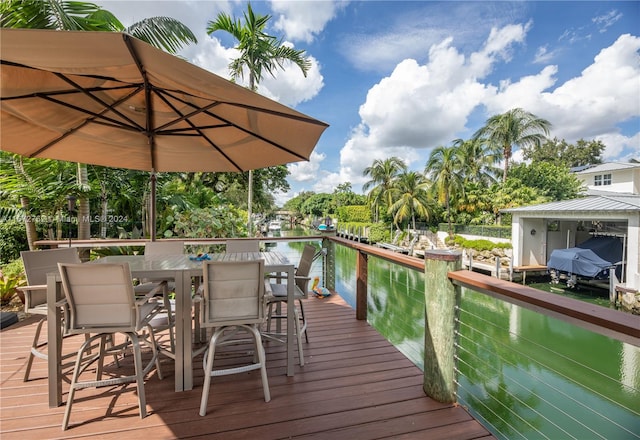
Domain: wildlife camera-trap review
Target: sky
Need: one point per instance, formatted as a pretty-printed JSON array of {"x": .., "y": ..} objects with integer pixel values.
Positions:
[{"x": 399, "y": 78}]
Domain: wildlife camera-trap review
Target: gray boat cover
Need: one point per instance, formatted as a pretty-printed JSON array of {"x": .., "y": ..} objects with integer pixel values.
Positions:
[{"x": 589, "y": 259}]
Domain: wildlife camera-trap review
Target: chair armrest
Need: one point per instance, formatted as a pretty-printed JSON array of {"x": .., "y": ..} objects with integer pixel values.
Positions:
[
  {"x": 160, "y": 288},
  {"x": 34, "y": 295},
  {"x": 34, "y": 287}
]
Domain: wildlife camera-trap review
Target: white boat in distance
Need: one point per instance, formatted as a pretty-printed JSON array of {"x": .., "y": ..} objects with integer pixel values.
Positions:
[{"x": 275, "y": 225}]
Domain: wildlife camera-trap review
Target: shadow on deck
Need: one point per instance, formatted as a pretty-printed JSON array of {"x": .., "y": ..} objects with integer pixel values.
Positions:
[{"x": 354, "y": 385}]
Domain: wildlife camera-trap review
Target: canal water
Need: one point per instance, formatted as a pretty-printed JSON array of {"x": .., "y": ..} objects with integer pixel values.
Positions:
[{"x": 524, "y": 374}]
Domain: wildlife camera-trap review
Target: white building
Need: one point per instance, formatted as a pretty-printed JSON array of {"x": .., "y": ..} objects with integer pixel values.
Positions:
[
  {"x": 611, "y": 207},
  {"x": 617, "y": 177}
]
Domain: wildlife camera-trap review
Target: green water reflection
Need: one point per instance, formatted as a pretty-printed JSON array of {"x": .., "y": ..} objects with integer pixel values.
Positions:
[{"x": 525, "y": 375}]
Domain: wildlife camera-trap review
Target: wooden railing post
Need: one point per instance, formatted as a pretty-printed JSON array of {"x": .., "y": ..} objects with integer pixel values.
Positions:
[
  {"x": 329, "y": 264},
  {"x": 362, "y": 271},
  {"x": 441, "y": 298}
]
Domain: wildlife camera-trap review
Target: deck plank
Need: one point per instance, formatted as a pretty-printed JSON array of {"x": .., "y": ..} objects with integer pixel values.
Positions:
[{"x": 354, "y": 384}]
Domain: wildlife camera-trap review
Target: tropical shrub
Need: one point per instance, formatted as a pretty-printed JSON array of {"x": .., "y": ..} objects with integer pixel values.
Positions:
[
  {"x": 379, "y": 232},
  {"x": 11, "y": 277},
  {"x": 478, "y": 245},
  {"x": 13, "y": 239},
  {"x": 354, "y": 213}
]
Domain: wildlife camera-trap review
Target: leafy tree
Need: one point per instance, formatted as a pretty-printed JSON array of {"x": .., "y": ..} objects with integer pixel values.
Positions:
[
  {"x": 558, "y": 151},
  {"x": 259, "y": 53},
  {"x": 318, "y": 205},
  {"x": 551, "y": 180},
  {"x": 474, "y": 205},
  {"x": 511, "y": 194},
  {"x": 39, "y": 187},
  {"x": 444, "y": 168},
  {"x": 411, "y": 197},
  {"x": 344, "y": 196},
  {"x": 383, "y": 174},
  {"x": 295, "y": 204},
  {"x": 514, "y": 128}
]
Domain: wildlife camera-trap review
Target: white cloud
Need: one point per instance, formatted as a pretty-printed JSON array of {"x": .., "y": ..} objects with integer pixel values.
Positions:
[
  {"x": 606, "y": 93},
  {"x": 604, "y": 21},
  {"x": 306, "y": 171},
  {"x": 620, "y": 148},
  {"x": 300, "y": 22},
  {"x": 419, "y": 107},
  {"x": 290, "y": 87},
  {"x": 411, "y": 34},
  {"x": 544, "y": 55}
]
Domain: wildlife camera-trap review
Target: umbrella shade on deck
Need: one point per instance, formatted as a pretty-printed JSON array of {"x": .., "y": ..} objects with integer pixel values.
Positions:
[{"x": 109, "y": 99}]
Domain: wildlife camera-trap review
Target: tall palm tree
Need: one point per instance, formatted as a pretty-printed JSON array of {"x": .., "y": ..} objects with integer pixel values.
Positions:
[
  {"x": 162, "y": 32},
  {"x": 383, "y": 174},
  {"x": 514, "y": 128},
  {"x": 477, "y": 161},
  {"x": 259, "y": 53},
  {"x": 411, "y": 197},
  {"x": 444, "y": 170}
]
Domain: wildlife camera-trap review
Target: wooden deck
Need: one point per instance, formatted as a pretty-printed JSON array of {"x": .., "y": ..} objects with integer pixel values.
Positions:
[{"x": 354, "y": 385}]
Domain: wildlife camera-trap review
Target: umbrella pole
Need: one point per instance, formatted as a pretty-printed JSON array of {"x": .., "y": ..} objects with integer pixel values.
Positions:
[
  {"x": 152, "y": 216},
  {"x": 249, "y": 203}
]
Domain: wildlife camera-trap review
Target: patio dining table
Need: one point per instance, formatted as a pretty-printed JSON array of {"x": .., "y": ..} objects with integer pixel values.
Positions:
[{"x": 184, "y": 271}]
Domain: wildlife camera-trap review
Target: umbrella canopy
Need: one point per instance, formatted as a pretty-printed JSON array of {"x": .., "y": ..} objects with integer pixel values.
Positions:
[
  {"x": 106, "y": 98},
  {"x": 109, "y": 99}
]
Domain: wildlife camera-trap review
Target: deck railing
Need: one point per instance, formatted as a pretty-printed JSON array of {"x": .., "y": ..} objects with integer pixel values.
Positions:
[{"x": 477, "y": 358}]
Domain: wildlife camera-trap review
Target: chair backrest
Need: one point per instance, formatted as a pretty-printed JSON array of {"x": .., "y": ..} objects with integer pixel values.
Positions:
[
  {"x": 243, "y": 245},
  {"x": 304, "y": 266},
  {"x": 99, "y": 296},
  {"x": 233, "y": 292},
  {"x": 164, "y": 248},
  {"x": 37, "y": 264}
]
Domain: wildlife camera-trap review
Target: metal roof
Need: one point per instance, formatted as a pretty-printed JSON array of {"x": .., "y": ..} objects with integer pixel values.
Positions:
[
  {"x": 617, "y": 203},
  {"x": 610, "y": 166}
]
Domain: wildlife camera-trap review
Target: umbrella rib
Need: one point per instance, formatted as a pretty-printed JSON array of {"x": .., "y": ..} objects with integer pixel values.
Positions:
[
  {"x": 116, "y": 123},
  {"x": 262, "y": 138},
  {"x": 100, "y": 101},
  {"x": 193, "y": 126},
  {"x": 128, "y": 41}
]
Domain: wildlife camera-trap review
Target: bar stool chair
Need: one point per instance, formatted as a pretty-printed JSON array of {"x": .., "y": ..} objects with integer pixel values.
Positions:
[
  {"x": 37, "y": 264},
  {"x": 233, "y": 300},
  {"x": 101, "y": 302}
]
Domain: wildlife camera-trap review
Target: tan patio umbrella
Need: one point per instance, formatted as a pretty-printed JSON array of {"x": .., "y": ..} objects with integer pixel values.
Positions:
[{"x": 109, "y": 99}]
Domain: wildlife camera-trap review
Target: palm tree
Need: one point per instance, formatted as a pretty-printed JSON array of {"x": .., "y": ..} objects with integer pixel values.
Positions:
[
  {"x": 259, "y": 53},
  {"x": 162, "y": 32},
  {"x": 383, "y": 174},
  {"x": 477, "y": 161},
  {"x": 411, "y": 197},
  {"x": 444, "y": 170},
  {"x": 513, "y": 128}
]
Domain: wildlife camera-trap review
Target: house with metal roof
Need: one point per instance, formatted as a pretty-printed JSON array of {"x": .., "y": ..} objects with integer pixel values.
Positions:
[
  {"x": 618, "y": 177},
  {"x": 538, "y": 230}
]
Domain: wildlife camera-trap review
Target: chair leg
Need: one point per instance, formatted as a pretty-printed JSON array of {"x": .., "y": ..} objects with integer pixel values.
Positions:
[
  {"x": 155, "y": 351},
  {"x": 137, "y": 360},
  {"x": 208, "y": 366},
  {"x": 304, "y": 321},
  {"x": 262, "y": 359},
  {"x": 77, "y": 369},
  {"x": 33, "y": 350},
  {"x": 296, "y": 315}
]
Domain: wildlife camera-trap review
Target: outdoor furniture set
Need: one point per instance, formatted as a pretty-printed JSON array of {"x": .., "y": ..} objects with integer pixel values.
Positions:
[{"x": 236, "y": 291}]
